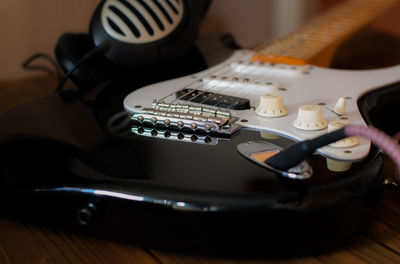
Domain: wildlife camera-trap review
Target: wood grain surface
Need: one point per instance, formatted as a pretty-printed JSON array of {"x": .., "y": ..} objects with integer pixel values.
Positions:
[{"x": 376, "y": 240}]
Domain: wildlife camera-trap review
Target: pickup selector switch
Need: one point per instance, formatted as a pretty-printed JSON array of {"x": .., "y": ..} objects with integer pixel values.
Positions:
[
  {"x": 340, "y": 106},
  {"x": 310, "y": 117},
  {"x": 346, "y": 142},
  {"x": 271, "y": 105}
]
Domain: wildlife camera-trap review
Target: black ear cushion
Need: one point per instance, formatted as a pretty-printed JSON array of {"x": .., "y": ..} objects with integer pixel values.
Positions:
[{"x": 71, "y": 48}]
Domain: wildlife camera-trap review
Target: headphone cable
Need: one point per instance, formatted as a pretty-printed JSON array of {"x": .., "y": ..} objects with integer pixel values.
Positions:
[{"x": 102, "y": 48}]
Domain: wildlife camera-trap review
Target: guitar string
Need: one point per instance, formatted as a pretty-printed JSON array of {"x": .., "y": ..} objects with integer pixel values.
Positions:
[
  {"x": 224, "y": 87},
  {"x": 222, "y": 79},
  {"x": 292, "y": 47},
  {"x": 210, "y": 80},
  {"x": 202, "y": 85},
  {"x": 298, "y": 40},
  {"x": 171, "y": 94},
  {"x": 233, "y": 83},
  {"x": 258, "y": 80},
  {"x": 245, "y": 86},
  {"x": 193, "y": 90},
  {"x": 211, "y": 74}
]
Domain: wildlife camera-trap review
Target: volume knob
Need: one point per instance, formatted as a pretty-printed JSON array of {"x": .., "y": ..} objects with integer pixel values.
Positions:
[
  {"x": 310, "y": 117},
  {"x": 271, "y": 105}
]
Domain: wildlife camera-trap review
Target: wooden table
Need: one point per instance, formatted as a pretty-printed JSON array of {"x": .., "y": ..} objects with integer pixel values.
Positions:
[{"x": 377, "y": 241}]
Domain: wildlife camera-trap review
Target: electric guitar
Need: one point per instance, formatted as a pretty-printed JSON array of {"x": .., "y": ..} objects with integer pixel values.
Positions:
[
  {"x": 278, "y": 88},
  {"x": 199, "y": 142}
]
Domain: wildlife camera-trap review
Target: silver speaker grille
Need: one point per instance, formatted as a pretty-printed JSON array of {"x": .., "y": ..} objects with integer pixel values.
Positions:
[{"x": 141, "y": 21}]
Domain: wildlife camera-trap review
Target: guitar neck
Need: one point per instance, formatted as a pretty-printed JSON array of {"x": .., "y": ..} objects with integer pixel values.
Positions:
[{"x": 321, "y": 36}]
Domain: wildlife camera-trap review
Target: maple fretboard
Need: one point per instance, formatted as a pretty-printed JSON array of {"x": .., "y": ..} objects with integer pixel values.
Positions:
[{"x": 323, "y": 33}]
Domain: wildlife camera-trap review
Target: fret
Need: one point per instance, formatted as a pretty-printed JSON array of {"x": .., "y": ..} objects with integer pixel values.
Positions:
[{"x": 323, "y": 32}]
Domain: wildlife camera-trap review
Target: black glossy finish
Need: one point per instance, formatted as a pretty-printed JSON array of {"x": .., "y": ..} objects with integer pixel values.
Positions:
[{"x": 63, "y": 145}]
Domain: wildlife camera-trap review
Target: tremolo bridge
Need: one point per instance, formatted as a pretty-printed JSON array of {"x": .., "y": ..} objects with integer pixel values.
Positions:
[{"x": 187, "y": 118}]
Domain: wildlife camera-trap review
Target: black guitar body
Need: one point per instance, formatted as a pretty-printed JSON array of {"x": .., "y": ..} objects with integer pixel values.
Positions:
[{"x": 73, "y": 161}]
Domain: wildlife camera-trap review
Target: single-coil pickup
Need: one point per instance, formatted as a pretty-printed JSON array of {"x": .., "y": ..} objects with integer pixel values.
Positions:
[
  {"x": 213, "y": 99},
  {"x": 259, "y": 68},
  {"x": 240, "y": 83}
]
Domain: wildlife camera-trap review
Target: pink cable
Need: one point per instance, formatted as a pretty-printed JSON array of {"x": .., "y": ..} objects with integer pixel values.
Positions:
[
  {"x": 397, "y": 174},
  {"x": 389, "y": 145}
]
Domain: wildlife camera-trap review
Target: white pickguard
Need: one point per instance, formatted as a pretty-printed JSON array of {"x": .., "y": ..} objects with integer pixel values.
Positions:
[{"x": 307, "y": 85}]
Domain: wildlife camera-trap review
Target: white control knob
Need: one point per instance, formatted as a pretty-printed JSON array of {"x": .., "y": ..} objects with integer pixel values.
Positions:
[
  {"x": 271, "y": 105},
  {"x": 340, "y": 106},
  {"x": 346, "y": 142},
  {"x": 338, "y": 166},
  {"x": 310, "y": 117}
]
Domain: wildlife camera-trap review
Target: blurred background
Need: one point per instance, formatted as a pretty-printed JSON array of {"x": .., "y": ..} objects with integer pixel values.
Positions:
[{"x": 28, "y": 26}]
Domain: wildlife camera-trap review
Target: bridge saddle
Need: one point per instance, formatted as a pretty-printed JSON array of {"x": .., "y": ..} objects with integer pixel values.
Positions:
[{"x": 197, "y": 119}]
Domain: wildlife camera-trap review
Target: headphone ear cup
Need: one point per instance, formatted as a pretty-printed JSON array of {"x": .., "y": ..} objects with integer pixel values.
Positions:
[
  {"x": 70, "y": 49},
  {"x": 145, "y": 33},
  {"x": 146, "y": 55}
]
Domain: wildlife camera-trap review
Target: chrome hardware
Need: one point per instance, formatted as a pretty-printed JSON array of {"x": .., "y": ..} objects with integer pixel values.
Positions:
[
  {"x": 192, "y": 117},
  {"x": 170, "y": 109},
  {"x": 175, "y": 135},
  {"x": 251, "y": 149}
]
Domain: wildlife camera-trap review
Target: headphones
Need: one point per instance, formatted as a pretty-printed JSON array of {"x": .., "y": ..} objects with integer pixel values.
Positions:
[{"x": 127, "y": 36}]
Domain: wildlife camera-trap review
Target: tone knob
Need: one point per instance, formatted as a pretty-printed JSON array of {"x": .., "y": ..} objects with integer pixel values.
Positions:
[
  {"x": 310, "y": 117},
  {"x": 271, "y": 105},
  {"x": 340, "y": 106},
  {"x": 338, "y": 166},
  {"x": 346, "y": 142}
]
